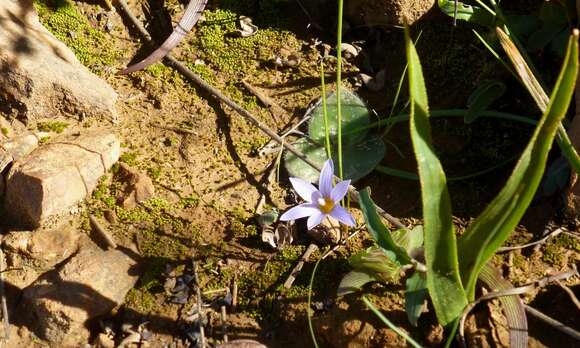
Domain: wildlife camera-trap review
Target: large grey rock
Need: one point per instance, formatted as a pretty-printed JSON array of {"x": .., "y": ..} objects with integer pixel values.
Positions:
[
  {"x": 90, "y": 284},
  {"x": 57, "y": 176},
  {"x": 40, "y": 75}
]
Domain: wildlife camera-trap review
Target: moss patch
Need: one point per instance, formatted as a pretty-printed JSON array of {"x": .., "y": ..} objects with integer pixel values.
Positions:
[
  {"x": 91, "y": 46},
  {"x": 53, "y": 126}
]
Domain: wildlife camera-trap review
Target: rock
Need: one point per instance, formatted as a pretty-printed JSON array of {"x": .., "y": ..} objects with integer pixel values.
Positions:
[
  {"x": 40, "y": 75},
  {"x": 2, "y": 187},
  {"x": 55, "y": 177},
  {"x": 39, "y": 249},
  {"x": 104, "y": 341},
  {"x": 243, "y": 343},
  {"x": 386, "y": 12},
  {"x": 47, "y": 247},
  {"x": 90, "y": 284},
  {"x": 137, "y": 187},
  {"x": 21, "y": 146},
  {"x": 5, "y": 159}
]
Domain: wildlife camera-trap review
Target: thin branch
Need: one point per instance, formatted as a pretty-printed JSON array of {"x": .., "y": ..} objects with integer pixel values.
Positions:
[
  {"x": 540, "y": 241},
  {"x": 511, "y": 292},
  {"x": 553, "y": 322},
  {"x": 5, "y": 318},
  {"x": 296, "y": 270},
  {"x": 199, "y": 305},
  {"x": 570, "y": 293},
  {"x": 102, "y": 232},
  {"x": 241, "y": 111}
]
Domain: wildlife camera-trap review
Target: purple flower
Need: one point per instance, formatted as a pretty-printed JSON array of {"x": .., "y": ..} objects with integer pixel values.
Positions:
[{"x": 321, "y": 203}]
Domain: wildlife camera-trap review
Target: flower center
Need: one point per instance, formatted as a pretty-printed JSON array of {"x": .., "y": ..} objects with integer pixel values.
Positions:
[{"x": 325, "y": 205}]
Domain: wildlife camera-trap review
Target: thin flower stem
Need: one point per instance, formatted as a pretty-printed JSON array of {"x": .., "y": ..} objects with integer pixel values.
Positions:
[
  {"x": 324, "y": 110},
  {"x": 338, "y": 84},
  {"x": 308, "y": 309}
]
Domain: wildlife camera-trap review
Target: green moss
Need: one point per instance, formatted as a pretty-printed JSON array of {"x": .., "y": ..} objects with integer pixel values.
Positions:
[
  {"x": 141, "y": 300},
  {"x": 155, "y": 172},
  {"x": 223, "y": 51},
  {"x": 43, "y": 140},
  {"x": 189, "y": 202},
  {"x": 552, "y": 254},
  {"x": 129, "y": 158},
  {"x": 4, "y": 130},
  {"x": 52, "y": 126},
  {"x": 91, "y": 46},
  {"x": 566, "y": 241}
]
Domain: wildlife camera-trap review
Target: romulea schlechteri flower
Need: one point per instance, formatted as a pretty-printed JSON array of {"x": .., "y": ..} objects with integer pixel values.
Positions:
[{"x": 322, "y": 202}]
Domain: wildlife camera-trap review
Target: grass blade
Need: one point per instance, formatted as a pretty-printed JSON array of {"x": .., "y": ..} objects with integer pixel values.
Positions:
[
  {"x": 488, "y": 232},
  {"x": 387, "y": 322},
  {"x": 443, "y": 280}
]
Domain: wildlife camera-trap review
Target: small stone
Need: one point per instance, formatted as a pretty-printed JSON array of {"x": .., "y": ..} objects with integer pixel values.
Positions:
[
  {"x": 54, "y": 178},
  {"x": 90, "y": 284},
  {"x": 104, "y": 341},
  {"x": 137, "y": 187},
  {"x": 110, "y": 216},
  {"x": 242, "y": 343}
]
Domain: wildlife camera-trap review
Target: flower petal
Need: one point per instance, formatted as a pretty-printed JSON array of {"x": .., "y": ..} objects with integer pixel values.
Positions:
[
  {"x": 339, "y": 191},
  {"x": 303, "y": 188},
  {"x": 342, "y": 215},
  {"x": 325, "y": 179},
  {"x": 315, "y": 219},
  {"x": 300, "y": 211}
]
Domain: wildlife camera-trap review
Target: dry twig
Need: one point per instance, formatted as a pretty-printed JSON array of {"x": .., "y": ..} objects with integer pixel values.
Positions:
[
  {"x": 510, "y": 292},
  {"x": 554, "y": 233},
  {"x": 102, "y": 232},
  {"x": 3, "y": 298},
  {"x": 553, "y": 322},
  {"x": 296, "y": 270}
]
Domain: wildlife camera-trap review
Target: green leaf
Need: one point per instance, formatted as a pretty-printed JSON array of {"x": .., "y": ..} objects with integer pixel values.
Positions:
[
  {"x": 472, "y": 14},
  {"x": 415, "y": 295},
  {"x": 410, "y": 240},
  {"x": 488, "y": 232},
  {"x": 355, "y": 115},
  {"x": 353, "y": 281},
  {"x": 378, "y": 230},
  {"x": 484, "y": 95},
  {"x": 358, "y": 159},
  {"x": 443, "y": 279},
  {"x": 377, "y": 261}
]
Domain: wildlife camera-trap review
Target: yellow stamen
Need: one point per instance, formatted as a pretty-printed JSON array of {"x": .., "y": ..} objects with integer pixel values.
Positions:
[{"x": 325, "y": 205}]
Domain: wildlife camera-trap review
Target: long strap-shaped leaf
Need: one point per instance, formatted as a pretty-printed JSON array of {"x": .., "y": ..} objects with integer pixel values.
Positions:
[
  {"x": 443, "y": 280},
  {"x": 191, "y": 16},
  {"x": 488, "y": 232},
  {"x": 534, "y": 87},
  {"x": 512, "y": 306}
]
